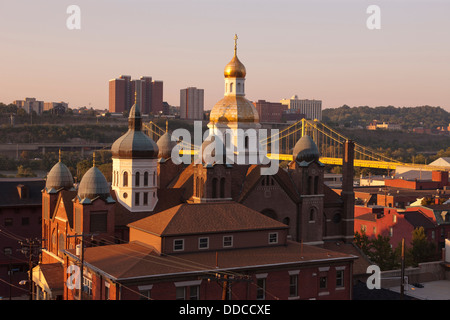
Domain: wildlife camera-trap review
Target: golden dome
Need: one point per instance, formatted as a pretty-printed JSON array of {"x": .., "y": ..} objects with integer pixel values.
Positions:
[
  {"x": 235, "y": 68},
  {"x": 234, "y": 109}
]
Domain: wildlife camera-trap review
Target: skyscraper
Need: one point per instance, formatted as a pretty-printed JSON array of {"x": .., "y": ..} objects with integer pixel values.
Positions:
[
  {"x": 122, "y": 94},
  {"x": 191, "y": 103}
]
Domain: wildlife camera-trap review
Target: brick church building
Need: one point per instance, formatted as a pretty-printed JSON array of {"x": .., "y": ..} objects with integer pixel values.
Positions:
[{"x": 208, "y": 230}]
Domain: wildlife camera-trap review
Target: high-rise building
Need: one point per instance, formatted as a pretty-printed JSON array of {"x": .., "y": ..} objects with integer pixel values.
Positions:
[
  {"x": 191, "y": 103},
  {"x": 156, "y": 97},
  {"x": 122, "y": 94},
  {"x": 312, "y": 109}
]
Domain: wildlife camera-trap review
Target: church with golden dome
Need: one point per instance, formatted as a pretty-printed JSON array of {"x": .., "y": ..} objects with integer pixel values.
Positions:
[{"x": 283, "y": 226}]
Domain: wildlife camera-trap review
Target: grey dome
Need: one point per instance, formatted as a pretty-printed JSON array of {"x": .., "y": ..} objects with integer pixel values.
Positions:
[
  {"x": 93, "y": 184},
  {"x": 134, "y": 144},
  {"x": 59, "y": 177},
  {"x": 165, "y": 146},
  {"x": 306, "y": 150}
]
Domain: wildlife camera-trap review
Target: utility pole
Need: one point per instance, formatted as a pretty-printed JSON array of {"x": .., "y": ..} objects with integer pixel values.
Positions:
[
  {"x": 402, "y": 287},
  {"x": 81, "y": 260},
  {"x": 30, "y": 248}
]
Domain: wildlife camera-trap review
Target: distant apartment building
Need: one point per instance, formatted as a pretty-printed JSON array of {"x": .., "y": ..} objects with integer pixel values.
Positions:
[
  {"x": 312, "y": 109},
  {"x": 191, "y": 103},
  {"x": 374, "y": 125},
  {"x": 270, "y": 111},
  {"x": 30, "y": 105},
  {"x": 122, "y": 94}
]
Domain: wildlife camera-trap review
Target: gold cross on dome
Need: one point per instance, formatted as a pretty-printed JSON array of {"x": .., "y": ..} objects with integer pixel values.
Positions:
[{"x": 235, "y": 43}]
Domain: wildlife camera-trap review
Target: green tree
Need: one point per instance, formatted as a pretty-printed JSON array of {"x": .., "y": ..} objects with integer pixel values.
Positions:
[
  {"x": 24, "y": 172},
  {"x": 422, "y": 250}
]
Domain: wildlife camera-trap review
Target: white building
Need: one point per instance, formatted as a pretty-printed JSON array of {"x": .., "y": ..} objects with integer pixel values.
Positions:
[
  {"x": 312, "y": 109},
  {"x": 30, "y": 104}
]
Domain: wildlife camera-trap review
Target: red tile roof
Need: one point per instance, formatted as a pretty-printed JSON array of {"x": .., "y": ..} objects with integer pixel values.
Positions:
[
  {"x": 209, "y": 217},
  {"x": 134, "y": 260}
]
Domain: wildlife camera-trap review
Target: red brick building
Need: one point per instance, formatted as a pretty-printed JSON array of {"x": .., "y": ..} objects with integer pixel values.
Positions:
[
  {"x": 174, "y": 254},
  {"x": 270, "y": 111},
  {"x": 20, "y": 219}
]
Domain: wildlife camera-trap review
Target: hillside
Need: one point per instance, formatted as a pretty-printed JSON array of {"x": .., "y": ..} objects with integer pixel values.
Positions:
[{"x": 407, "y": 117}]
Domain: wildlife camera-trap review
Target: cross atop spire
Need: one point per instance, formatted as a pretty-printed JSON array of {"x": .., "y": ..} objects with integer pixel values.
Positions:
[
  {"x": 59, "y": 154},
  {"x": 235, "y": 43},
  {"x": 93, "y": 159}
]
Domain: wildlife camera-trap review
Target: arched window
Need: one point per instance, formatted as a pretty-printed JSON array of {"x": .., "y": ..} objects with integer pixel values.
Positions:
[
  {"x": 222, "y": 187},
  {"x": 145, "y": 178},
  {"x": 138, "y": 178},
  {"x": 214, "y": 187},
  {"x": 201, "y": 187},
  {"x": 125, "y": 179},
  {"x": 312, "y": 214},
  {"x": 310, "y": 186},
  {"x": 316, "y": 184},
  {"x": 231, "y": 87},
  {"x": 197, "y": 187},
  {"x": 286, "y": 221},
  {"x": 61, "y": 244},
  {"x": 238, "y": 88}
]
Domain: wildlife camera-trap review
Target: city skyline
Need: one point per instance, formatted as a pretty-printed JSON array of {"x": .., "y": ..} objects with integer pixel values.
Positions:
[{"x": 314, "y": 49}]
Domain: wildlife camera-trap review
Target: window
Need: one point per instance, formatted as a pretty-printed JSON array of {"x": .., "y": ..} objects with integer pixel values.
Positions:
[
  {"x": 312, "y": 214},
  {"x": 137, "y": 198},
  {"x": 138, "y": 178},
  {"x": 8, "y": 222},
  {"x": 214, "y": 187},
  {"x": 98, "y": 221},
  {"x": 203, "y": 243},
  {"x": 273, "y": 237},
  {"x": 125, "y": 179},
  {"x": 145, "y": 198},
  {"x": 222, "y": 187},
  {"x": 261, "y": 289},
  {"x": 7, "y": 251},
  {"x": 107, "y": 295},
  {"x": 87, "y": 286},
  {"x": 194, "y": 292},
  {"x": 391, "y": 231},
  {"x": 145, "y": 292},
  {"x": 339, "y": 278},
  {"x": 323, "y": 282},
  {"x": 178, "y": 245},
  {"x": 145, "y": 178},
  {"x": 61, "y": 242},
  {"x": 25, "y": 221},
  {"x": 227, "y": 241},
  {"x": 181, "y": 293},
  {"x": 316, "y": 184},
  {"x": 293, "y": 285}
]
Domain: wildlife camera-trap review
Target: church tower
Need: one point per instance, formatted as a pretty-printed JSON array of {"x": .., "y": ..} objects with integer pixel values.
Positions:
[
  {"x": 233, "y": 116},
  {"x": 135, "y": 158},
  {"x": 307, "y": 172}
]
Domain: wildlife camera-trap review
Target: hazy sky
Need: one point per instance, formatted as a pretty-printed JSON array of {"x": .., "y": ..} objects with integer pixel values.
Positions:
[{"x": 315, "y": 49}]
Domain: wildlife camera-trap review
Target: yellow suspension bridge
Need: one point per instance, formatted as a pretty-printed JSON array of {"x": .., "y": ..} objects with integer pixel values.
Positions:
[{"x": 329, "y": 142}]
